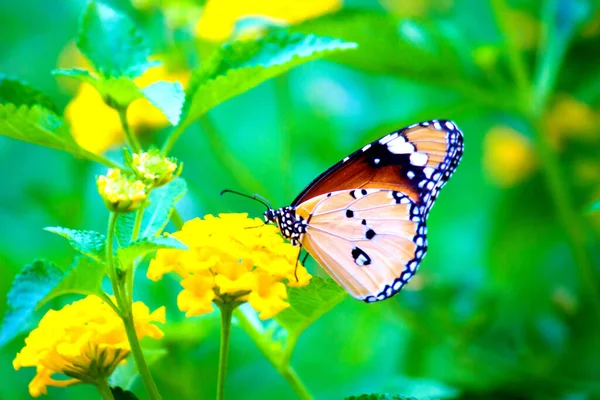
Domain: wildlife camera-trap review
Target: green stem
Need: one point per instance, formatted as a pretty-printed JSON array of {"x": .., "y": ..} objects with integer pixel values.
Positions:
[
  {"x": 172, "y": 139},
  {"x": 226, "y": 314},
  {"x": 112, "y": 268},
  {"x": 176, "y": 219},
  {"x": 131, "y": 138},
  {"x": 139, "y": 216},
  {"x": 264, "y": 345},
  {"x": 138, "y": 356},
  {"x": 99, "y": 158},
  {"x": 104, "y": 390}
]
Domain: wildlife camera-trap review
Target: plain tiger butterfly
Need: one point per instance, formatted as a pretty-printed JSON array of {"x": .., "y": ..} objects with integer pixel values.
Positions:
[{"x": 364, "y": 219}]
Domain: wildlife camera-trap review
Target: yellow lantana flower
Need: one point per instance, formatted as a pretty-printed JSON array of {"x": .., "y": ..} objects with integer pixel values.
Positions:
[
  {"x": 231, "y": 259},
  {"x": 508, "y": 156},
  {"x": 568, "y": 117},
  {"x": 96, "y": 126},
  {"x": 153, "y": 168},
  {"x": 85, "y": 340},
  {"x": 220, "y": 16}
]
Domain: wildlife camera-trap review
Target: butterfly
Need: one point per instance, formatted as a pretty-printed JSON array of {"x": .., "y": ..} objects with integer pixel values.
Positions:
[{"x": 364, "y": 219}]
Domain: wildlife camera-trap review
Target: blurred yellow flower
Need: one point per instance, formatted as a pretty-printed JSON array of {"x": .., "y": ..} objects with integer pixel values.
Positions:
[
  {"x": 417, "y": 8},
  {"x": 121, "y": 193},
  {"x": 85, "y": 340},
  {"x": 568, "y": 117},
  {"x": 508, "y": 157},
  {"x": 220, "y": 16},
  {"x": 527, "y": 28},
  {"x": 94, "y": 125},
  {"x": 231, "y": 259}
]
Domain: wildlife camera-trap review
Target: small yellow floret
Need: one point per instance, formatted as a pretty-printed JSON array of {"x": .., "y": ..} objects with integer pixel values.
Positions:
[{"x": 121, "y": 193}]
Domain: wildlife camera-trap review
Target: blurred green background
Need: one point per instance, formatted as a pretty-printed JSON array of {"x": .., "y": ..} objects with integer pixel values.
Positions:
[{"x": 505, "y": 304}]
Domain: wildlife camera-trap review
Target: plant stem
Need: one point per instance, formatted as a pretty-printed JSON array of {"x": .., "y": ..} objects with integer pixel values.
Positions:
[
  {"x": 226, "y": 314},
  {"x": 104, "y": 390},
  {"x": 112, "y": 268},
  {"x": 101, "y": 159},
  {"x": 176, "y": 219},
  {"x": 138, "y": 356},
  {"x": 172, "y": 139},
  {"x": 131, "y": 139},
  {"x": 275, "y": 358}
]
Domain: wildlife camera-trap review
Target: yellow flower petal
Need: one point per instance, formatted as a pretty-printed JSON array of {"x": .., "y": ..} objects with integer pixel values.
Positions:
[{"x": 508, "y": 157}]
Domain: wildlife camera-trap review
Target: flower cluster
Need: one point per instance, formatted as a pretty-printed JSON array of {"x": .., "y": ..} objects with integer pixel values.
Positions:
[
  {"x": 121, "y": 192},
  {"x": 231, "y": 259},
  {"x": 153, "y": 168},
  {"x": 85, "y": 340},
  {"x": 508, "y": 156}
]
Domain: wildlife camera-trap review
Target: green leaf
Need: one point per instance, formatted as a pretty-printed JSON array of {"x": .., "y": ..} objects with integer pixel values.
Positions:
[
  {"x": 168, "y": 97},
  {"x": 119, "y": 92},
  {"x": 29, "y": 287},
  {"x": 389, "y": 45},
  {"x": 112, "y": 43},
  {"x": 82, "y": 75},
  {"x": 141, "y": 247},
  {"x": 309, "y": 303},
  {"x": 126, "y": 374},
  {"x": 88, "y": 243},
  {"x": 19, "y": 93},
  {"x": 162, "y": 203},
  {"x": 83, "y": 277},
  {"x": 380, "y": 396},
  {"x": 124, "y": 228},
  {"x": 240, "y": 66}
]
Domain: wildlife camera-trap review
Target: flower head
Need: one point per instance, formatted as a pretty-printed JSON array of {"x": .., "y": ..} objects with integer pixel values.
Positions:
[
  {"x": 153, "y": 168},
  {"x": 231, "y": 259},
  {"x": 508, "y": 156},
  {"x": 121, "y": 193},
  {"x": 85, "y": 340}
]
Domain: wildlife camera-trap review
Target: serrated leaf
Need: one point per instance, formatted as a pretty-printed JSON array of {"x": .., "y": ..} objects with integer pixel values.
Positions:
[
  {"x": 29, "y": 287},
  {"x": 141, "y": 247},
  {"x": 126, "y": 374},
  {"x": 82, "y": 75},
  {"x": 112, "y": 43},
  {"x": 88, "y": 243},
  {"x": 124, "y": 228},
  {"x": 309, "y": 303},
  {"x": 162, "y": 202},
  {"x": 119, "y": 92},
  {"x": 240, "y": 66},
  {"x": 380, "y": 396},
  {"x": 386, "y": 44},
  {"x": 19, "y": 93},
  {"x": 83, "y": 277},
  {"x": 168, "y": 97},
  {"x": 40, "y": 126}
]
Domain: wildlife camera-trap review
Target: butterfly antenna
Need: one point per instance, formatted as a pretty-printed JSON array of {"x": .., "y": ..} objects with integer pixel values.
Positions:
[{"x": 255, "y": 197}]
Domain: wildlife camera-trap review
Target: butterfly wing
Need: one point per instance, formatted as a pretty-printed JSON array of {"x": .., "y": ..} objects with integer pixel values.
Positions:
[
  {"x": 370, "y": 241},
  {"x": 416, "y": 161}
]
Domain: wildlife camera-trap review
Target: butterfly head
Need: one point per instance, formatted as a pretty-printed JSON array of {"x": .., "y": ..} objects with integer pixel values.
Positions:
[{"x": 291, "y": 225}]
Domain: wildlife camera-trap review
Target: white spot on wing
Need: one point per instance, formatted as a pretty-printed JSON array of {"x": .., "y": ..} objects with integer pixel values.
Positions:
[
  {"x": 367, "y": 147},
  {"x": 388, "y": 138},
  {"x": 345, "y": 159},
  {"x": 418, "y": 159},
  {"x": 410, "y": 174},
  {"x": 428, "y": 171},
  {"x": 398, "y": 146},
  {"x": 450, "y": 125},
  {"x": 437, "y": 125}
]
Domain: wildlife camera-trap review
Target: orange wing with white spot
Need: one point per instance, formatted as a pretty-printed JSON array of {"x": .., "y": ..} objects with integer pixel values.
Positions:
[
  {"x": 366, "y": 215},
  {"x": 370, "y": 242}
]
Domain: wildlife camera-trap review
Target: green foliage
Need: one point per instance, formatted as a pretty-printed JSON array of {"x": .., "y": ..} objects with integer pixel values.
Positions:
[
  {"x": 309, "y": 303},
  {"x": 162, "y": 203},
  {"x": 88, "y": 243},
  {"x": 239, "y": 66},
  {"x": 595, "y": 206},
  {"x": 380, "y": 396},
  {"x": 14, "y": 91},
  {"x": 167, "y": 97},
  {"x": 29, "y": 287},
  {"x": 112, "y": 43},
  {"x": 143, "y": 246},
  {"x": 83, "y": 277},
  {"x": 126, "y": 374}
]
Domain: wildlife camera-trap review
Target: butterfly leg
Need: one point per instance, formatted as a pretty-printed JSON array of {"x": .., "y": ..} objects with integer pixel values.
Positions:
[{"x": 298, "y": 259}]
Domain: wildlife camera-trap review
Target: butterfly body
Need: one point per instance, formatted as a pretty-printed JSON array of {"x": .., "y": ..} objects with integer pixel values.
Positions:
[{"x": 364, "y": 219}]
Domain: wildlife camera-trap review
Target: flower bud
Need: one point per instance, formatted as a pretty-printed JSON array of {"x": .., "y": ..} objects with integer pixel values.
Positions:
[
  {"x": 121, "y": 193},
  {"x": 154, "y": 169}
]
